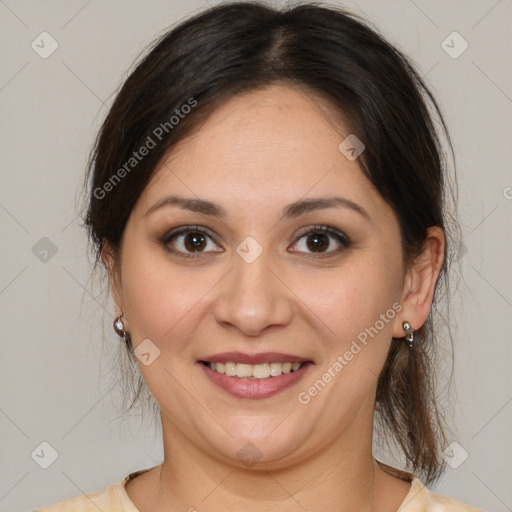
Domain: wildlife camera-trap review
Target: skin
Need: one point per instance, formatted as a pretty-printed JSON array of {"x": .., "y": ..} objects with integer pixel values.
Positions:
[{"x": 256, "y": 154}]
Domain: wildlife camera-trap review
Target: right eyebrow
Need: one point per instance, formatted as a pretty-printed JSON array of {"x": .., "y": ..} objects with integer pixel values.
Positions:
[{"x": 195, "y": 205}]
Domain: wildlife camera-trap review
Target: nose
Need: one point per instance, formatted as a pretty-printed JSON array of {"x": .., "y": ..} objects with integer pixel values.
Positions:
[{"x": 252, "y": 299}]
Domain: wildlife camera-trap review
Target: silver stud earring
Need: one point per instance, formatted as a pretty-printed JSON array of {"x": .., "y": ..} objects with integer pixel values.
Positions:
[
  {"x": 119, "y": 328},
  {"x": 409, "y": 333}
]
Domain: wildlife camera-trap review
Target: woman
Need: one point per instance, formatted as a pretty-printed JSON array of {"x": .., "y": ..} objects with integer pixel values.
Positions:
[{"x": 267, "y": 195}]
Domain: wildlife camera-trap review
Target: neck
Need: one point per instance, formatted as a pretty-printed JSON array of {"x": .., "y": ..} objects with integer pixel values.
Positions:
[{"x": 188, "y": 479}]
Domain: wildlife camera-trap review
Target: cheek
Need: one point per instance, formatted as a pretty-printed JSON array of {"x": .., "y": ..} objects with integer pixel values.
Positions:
[
  {"x": 357, "y": 306},
  {"x": 162, "y": 304},
  {"x": 352, "y": 298}
]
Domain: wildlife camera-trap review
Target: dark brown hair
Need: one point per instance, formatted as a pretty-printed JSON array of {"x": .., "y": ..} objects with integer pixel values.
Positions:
[{"x": 239, "y": 47}]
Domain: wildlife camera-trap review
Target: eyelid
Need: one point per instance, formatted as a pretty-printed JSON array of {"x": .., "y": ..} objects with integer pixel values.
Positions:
[
  {"x": 187, "y": 228},
  {"x": 323, "y": 228}
]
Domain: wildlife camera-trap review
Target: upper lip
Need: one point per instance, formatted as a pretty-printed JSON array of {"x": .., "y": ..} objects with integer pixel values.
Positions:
[{"x": 262, "y": 357}]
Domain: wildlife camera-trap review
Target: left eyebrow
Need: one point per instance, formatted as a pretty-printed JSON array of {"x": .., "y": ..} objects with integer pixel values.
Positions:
[{"x": 304, "y": 206}]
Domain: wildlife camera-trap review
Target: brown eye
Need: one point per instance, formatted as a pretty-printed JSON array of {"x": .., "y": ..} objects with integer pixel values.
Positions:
[
  {"x": 323, "y": 241},
  {"x": 186, "y": 241},
  {"x": 195, "y": 242},
  {"x": 318, "y": 242}
]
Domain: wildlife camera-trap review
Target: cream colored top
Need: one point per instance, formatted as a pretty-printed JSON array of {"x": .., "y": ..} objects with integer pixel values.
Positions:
[{"x": 115, "y": 499}]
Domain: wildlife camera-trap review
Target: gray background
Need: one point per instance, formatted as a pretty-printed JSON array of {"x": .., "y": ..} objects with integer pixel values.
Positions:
[{"x": 56, "y": 379}]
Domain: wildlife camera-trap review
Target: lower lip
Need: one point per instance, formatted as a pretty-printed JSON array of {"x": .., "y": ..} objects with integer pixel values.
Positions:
[{"x": 252, "y": 388}]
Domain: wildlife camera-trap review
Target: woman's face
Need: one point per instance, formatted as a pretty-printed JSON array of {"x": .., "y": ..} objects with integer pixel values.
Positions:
[{"x": 251, "y": 277}]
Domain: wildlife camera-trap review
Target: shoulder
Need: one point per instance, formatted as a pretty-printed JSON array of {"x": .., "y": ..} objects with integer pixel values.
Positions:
[
  {"x": 112, "y": 498},
  {"x": 421, "y": 499}
]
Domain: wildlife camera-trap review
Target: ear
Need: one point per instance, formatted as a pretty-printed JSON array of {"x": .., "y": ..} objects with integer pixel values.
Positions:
[
  {"x": 420, "y": 281},
  {"x": 111, "y": 262}
]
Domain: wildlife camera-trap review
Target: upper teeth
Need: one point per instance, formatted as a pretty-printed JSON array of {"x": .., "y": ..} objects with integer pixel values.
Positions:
[{"x": 258, "y": 371}]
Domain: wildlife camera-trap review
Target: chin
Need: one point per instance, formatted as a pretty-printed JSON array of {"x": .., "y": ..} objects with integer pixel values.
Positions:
[{"x": 265, "y": 452}]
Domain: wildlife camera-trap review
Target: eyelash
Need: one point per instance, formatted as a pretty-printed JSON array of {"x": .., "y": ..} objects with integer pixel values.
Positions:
[{"x": 340, "y": 237}]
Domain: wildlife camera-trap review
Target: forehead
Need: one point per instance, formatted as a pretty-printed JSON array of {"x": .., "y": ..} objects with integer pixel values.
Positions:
[{"x": 270, "y": 146}]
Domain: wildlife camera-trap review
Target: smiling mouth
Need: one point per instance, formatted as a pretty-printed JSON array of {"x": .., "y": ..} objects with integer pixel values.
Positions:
[{"x": 253, "y": 371}]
